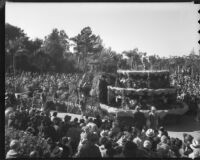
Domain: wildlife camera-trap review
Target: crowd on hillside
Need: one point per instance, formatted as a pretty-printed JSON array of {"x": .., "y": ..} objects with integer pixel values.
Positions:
[
  {"x": 188, "y": 88},
  {"x": 50, "y": 81}
]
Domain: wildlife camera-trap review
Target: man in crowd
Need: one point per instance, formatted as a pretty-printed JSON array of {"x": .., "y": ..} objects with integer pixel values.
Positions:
[
  {"x": 153, "y": 118},
  {"x": 139, "y": 119}
]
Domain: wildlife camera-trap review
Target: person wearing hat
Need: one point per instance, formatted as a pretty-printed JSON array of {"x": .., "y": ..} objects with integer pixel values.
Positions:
[
  {"x": 163, "y": 151},
  {"x": 162, "y": 132},
  {"x": 195, "y": 148},
  {"x": 56, "y": 152},
  {"x": 146, "y": 151},
  {"x": 150, "y": 136},
  {"x": 34, "y": 154},
  {"x": 187, "y": 139},
  {"x": 139, "y": 119},
  {"x": 13, "y": 152}
]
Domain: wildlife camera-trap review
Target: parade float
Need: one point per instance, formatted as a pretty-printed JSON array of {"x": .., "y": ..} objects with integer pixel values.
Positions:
[{"x": 145, "y": 88}]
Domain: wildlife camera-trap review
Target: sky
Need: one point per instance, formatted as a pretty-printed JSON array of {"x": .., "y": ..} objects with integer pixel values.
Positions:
[{"x": 164, "y": 29}]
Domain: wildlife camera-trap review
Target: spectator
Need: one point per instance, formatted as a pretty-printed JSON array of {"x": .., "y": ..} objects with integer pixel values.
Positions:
[
  {"x": 54, "y": 115},
  {"x": 89, "y": 149},
  {"x": 130, "y": 149},
  {"x": 195, "y": 146},
  {"x": 13, "y": 152},
  {"x": 139, "y": 119},
  {"x": 153, "y": 118}
]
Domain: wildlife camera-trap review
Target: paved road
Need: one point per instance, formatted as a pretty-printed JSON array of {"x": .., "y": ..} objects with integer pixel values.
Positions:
[{"x": 186, "y": 125}]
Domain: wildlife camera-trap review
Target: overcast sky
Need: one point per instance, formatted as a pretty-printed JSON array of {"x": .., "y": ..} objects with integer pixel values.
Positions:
[{"x": 156, "y": 28}]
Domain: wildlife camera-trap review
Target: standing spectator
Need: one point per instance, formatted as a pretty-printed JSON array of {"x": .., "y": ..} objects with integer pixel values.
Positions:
[
  {"x": 139, "y": 119},
  {"x": 153, "y": 118}
]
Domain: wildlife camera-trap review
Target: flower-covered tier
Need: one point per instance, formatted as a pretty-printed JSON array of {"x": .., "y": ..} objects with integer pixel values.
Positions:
[{"x": 145, "y": 88}]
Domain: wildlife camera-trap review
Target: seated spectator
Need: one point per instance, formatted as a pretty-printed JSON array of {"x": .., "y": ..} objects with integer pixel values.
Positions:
[
  {"x": 89, "y": 149},
  {"x": 115, "y": 129},
  {"x": 163, "y": 151},
  {"x": 195, "y": 146},
  {"x": 13, "y": 152},
  {"x": 187, "y": 139},
  {"x": 56, "y": 152},
  {"x": 162, "y": 132},
  {"x": 150, "y": 135},
  {"x": 54, "y": 115},
  {"x": 67, "y": 149},
  {"x": 146, "y": 150},
  {"x": 129, "y": 149},
  {"x": 34, "y": 154}
]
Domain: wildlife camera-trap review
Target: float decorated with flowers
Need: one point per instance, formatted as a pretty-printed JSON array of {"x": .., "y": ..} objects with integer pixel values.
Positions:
[{"x": 145, "y": 88}]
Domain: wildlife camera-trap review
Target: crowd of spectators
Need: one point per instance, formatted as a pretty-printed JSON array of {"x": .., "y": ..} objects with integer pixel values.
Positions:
[
  {"x": 88, "y": 137},
  {"x": 188, "y": 87},
  {"x": 94, "y": 137},
  {"x": 51, "y": 82}
]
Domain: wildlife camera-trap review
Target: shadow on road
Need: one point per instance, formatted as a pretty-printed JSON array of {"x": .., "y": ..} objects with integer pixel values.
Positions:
[{"x": 184, "y": 124}]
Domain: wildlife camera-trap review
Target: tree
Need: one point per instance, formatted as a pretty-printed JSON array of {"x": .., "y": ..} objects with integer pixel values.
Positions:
[
  {"x": 56, "y": 44},
  {"x": 134, "y": 58},
  {"x": 87, "y": 45},
  {"x": 14, "y": 37}
]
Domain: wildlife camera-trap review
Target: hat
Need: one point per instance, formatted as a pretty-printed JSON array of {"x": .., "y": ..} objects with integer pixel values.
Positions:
[
  {"x": 137, "y": 141},
  {"x": 64, "y": 140},
  {"x": 153, "y": 108},
  {"x": 147, "y": 144},
  {"x": 163, "y": 139},
  {"x": 33, "y": 154},
  {"x": 92, "y": 137},
  {"x": 187, "y": 137},
  {"x": 137, "y": 108},
  {"x": 150, "y": 133},
  {"x": 104, "y": 133},
  {"x": 162, "y": 129},
  {"x": 195, "y": 143},
  {"x": 163, "y": 149},
  {"x": 82, "y": 125},
  {"x": 86, "y": 128},
  {"x": 14, "y": 144},
  {"x": 57, "y": 151}
]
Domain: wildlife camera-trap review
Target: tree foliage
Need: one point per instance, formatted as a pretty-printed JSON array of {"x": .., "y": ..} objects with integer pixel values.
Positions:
[
  {"x": 87, "y": 45},
  {"x": 52, "y": 54}
]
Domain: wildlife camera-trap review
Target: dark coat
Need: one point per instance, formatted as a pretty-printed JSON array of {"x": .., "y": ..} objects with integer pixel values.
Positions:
[
  {"x": 139, "y": 120},
  {"x": 89, "y": 150}
]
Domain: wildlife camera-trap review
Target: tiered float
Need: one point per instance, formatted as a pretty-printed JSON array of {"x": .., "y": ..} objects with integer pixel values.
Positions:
[{"x": 145, "y": 88}]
